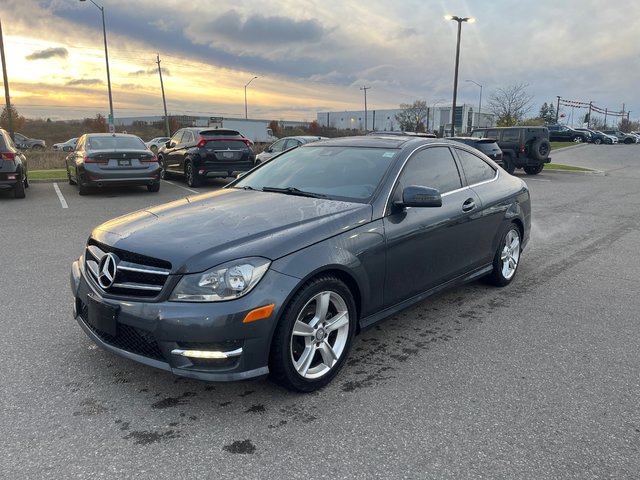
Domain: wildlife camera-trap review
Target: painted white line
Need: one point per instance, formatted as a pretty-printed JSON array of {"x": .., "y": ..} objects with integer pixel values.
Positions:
[
  {"x": 63, "y": 202},
  {"x": 180, "y": 186}
]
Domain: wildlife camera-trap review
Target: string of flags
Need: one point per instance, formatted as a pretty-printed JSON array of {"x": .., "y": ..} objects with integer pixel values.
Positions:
[{"x": 594, "y": 108}]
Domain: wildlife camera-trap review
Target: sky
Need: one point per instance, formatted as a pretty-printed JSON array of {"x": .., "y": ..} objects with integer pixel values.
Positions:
[{"x": 313, "y": 56}]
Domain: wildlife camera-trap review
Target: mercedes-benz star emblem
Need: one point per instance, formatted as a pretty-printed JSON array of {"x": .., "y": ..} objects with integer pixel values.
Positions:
[{"x": 107, "y": 270}]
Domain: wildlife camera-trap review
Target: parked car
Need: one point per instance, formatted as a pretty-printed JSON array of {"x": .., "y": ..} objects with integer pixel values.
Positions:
[
  {"x": 562, "y": 133},
  {"x": 403, "y": 133},
  {"x": 104, "y": 159},
  {"x": 14, "y": 174},
  {"x": 67, "y": 146},
  {"x": 596, "y": 137},
  {"x": 522, "y": 147},
  {"x": 621, "y": 136},
  {"x": 155, "y": 143},
  {"x": 283, "y": 144},
  {"x": 25, "y": 143},
  {"x": 201, "y": 153},
  {"x": 611, "y": 139},
  {"x": 488, "y": 146},
  {"x": 275, "y": 273}
]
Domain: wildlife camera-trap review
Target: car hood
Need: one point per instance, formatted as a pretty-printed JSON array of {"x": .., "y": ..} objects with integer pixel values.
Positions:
[{"x": 199, "y": 232}]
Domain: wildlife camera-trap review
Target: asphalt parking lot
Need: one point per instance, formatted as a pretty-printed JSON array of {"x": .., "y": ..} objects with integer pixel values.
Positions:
[{"x": 539, "y": 380}]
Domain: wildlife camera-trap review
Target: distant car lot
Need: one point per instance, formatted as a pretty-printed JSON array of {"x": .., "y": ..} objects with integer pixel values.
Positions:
[{"x": 550, "y": 361}]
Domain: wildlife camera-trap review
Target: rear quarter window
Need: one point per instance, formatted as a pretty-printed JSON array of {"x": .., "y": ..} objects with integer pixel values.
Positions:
[{"x": 476, "y": 170}]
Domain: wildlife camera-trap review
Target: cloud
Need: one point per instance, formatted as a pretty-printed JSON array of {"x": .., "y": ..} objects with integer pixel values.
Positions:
[
  {"x": 84, "y": 82},
  {"x": 150, "y": 71},
  {"x": 48, "y": 53}
]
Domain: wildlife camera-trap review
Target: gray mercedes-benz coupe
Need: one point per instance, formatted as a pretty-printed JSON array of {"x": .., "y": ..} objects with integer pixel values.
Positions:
[{"x": 275, "y": 273}]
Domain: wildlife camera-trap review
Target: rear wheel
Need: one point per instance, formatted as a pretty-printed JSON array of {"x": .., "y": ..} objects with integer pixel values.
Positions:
[
  {"x": 577, "y": 139},
  {"x": 191, "y": 176},
  {"x": 507, "y": 258},
  {"x": 313, "y": 338},
  {"x": 82, "y": 188},
  {"x": 154, "y": 187},
  {"x": 18, "y": 190},
  {"x": 71, "y": 180},
  {"x": 628, "y": 141},
  {"x": 533, "y": 170}
]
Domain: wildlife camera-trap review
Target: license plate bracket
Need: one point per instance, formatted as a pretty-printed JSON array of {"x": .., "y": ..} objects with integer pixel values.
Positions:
[
  {"x": 102, "y": 316},
  {"x": 124, "y": 163}
]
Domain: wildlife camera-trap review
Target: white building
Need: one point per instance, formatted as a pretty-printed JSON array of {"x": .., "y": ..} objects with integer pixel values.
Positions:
[{"x": 438, "y": 119}]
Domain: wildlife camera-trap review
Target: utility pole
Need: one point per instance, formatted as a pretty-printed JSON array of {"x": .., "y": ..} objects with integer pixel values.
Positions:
[
  {"x": 589, "y": 117},
  {"x": 6, "y": 85},
  {"x": 365, "y": 106},
  {"x": 558, "y": 110},
  {"x": 164, "y": 100}
]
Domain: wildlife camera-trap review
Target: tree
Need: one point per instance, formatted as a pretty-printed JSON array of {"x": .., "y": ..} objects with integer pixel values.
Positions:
[
  {"x": 17, "y": 120},
  {"x": 510, "y": 104},
  {"x": 412, "y": 116}
]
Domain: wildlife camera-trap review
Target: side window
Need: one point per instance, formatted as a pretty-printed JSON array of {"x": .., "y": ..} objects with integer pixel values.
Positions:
[
  {"x": 292, "y": 142},
  {"x": 491, "y": 134},
  {"x": 19, "y": 137},
  {"x": 187, "y": 138},
  {"x": 432, "y": 167},
  {"x": 475, "y": 169},
  {"x": 177, "y": 137},
  {"x": 511, "y": 135},
  {"x": 278, "y": 146}
]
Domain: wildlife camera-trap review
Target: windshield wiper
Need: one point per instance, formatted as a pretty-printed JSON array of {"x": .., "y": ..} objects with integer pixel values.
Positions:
[{"x": 293, "y": 191}]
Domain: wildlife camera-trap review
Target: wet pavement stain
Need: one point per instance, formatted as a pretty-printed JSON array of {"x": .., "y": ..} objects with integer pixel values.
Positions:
[
  {"x": 256, "y": 409},
  {"x": 280, "y": 424},
  {"x": 240, "y": 447},
  {"x": 246, "y": 393},
  {"x": 124, "y": 426},
  {"x": 147, "y": 437},
  {"x": 172, "y": 401}
]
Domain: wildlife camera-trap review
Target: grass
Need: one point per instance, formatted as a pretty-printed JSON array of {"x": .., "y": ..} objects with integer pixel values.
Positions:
[
  {"x": 51, "y": 174},
  {"x": 557, "y": 166}
]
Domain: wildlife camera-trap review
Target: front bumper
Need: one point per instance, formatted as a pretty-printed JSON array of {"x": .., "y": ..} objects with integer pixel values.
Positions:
[{"x": 157, "y": 334}]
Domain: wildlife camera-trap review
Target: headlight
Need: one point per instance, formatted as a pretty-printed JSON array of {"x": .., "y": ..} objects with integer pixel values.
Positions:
[{"x": 224, "y": 282}]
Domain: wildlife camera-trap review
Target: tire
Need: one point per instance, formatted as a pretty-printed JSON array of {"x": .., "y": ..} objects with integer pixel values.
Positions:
[
  {"x": 71, "y": 180},
  {"x": 154, "y": 187},
  {"x": 507, "y": 258},
  {"x": 163, "y": 168},
  {"x": 508, "y": 164},
  {"x": 26, "y": 181},
  {"x": 597, "y": 141},
  {"x": 82, "y": 188},
  {"x": 312, "y": 340},
  {"x": 533, "y": 170},
  {"x": 577, "y": 139},
  {"x": 540, "y": 149},
  {"x": 190, "y": 175},
  {"x": 628, "y": 141},
  {"x": 18, "y": 190}
]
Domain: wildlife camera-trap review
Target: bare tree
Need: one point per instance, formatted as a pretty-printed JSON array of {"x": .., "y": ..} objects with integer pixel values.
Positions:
[
  {"x": 510, "y": 104},
  {"x": 412, "y": 116}
]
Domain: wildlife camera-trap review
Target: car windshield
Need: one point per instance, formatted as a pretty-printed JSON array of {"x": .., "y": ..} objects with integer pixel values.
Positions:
[
  {"x": 115, "y": 143},
  {"x": 335, "y": 172}
]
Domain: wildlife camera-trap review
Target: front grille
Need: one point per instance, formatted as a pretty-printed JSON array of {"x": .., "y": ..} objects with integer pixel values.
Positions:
[
  {"x": 136, "y": 275},
  {"x": 128, "y": 338}
]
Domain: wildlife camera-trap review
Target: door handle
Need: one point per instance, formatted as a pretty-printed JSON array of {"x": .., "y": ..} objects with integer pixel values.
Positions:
[{"x": 468, "y": 205}]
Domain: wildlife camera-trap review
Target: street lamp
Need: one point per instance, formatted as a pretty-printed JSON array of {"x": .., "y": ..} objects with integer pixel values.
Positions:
[
  {"x": 106, "y": 56},
  {"x": 455, "y": 77},
  {"x": 245, "y": 97},
  {"x": 479, "y": 104}
]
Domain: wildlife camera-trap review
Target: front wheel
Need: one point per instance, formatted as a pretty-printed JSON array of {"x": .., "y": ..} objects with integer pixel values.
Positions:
[
  {"x": 507, "y": 258},
  {"x": 18, "y": 191},
  {"x": 597, "y": 141},
  {"x": 577, "y": 139},
  {"x": 313, "y": 338},
  {"x": 533, "y": 170}
]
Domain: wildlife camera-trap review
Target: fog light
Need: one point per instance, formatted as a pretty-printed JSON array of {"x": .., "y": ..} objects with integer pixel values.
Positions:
[
  {"x": 201, "y": 171},
  {"x": 11, "y": 177},
  {"x": 210, "y": 354}
]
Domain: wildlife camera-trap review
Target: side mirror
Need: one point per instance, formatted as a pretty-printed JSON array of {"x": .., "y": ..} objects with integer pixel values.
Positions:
[
  {"x": 417, "y": 196},
  {"x": 169, "y": 144}
]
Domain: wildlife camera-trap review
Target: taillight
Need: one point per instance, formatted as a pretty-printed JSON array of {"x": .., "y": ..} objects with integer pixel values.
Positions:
[
  {"x": 201, "y": 143},
  {"x": 247, "y": 142},
  {"x": 88, "y": 159},
  {"x": 522, "y": 150},
  {"x": 149, "y": 159},
  {"x": 9, "y": 156}
]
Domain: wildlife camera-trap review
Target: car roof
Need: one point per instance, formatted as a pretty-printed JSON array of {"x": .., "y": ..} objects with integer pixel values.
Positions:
[{"x": 372, "y": 141}]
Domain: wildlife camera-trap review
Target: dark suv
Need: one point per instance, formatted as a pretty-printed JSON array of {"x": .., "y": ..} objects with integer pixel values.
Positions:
[
  {"x": 522, "y": 147},
  {"x": 201, "y": 153},
  {"x": 488, "y": 146},
  {"x": 13, "y": 166},
  {"x": 562, "y": 133}
]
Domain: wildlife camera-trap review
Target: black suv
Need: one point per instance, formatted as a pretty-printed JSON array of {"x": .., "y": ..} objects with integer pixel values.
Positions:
[
  {"x": 488, "y": 146},
  {"x": 562, "y": 133},
  {"x": 522, "y": 147},
  {"x": 13, "y": 166},
  {"x": 201, "y": 153}
]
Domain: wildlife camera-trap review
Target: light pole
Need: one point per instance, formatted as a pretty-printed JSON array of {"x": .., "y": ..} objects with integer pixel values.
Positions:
[
  {"x": 365, "y": 106},
  {"x": 455, "y": 77},
  {"x": 480, "y": 103},
  {"x": 106, "y": 57},
  {"x": 246, "y": 115}
]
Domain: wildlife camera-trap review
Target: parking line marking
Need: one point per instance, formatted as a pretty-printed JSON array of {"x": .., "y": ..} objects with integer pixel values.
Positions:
[
  {"x": 63, "y": 202},
  {"x": 180, "y": 186}
]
